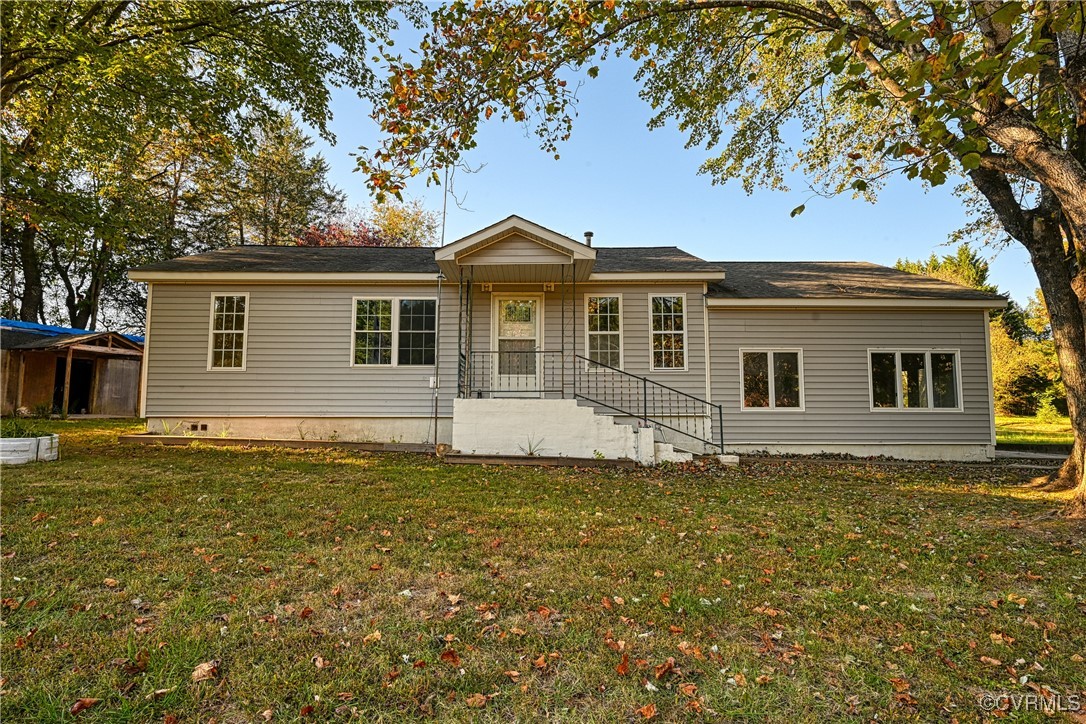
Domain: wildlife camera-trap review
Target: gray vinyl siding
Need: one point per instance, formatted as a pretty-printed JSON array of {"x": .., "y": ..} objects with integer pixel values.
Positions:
[
  {"x": 515, "y": 250},
  {"x": 299, "y": 348},
  {"x": 298, "y": 355},
  {"x": 836, "y": 380}
]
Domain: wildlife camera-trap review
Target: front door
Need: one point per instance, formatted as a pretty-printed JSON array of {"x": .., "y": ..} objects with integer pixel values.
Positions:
[{"x": 518, "y": 366}]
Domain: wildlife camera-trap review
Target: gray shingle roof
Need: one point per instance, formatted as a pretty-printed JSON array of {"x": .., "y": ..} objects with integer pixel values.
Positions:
[
  {"x": 408, "y": 260},
  {"x": 833, "y": 280},
  {"x": 651, "y": 259},
  {"x": 743, "y": 280},
  {"x": 403, "y": 260},
  {"x": 15, "y": 338}
]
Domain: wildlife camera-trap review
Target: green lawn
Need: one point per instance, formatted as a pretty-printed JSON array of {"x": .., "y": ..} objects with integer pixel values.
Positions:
[
  {"x": 327, "y": 584},
  {"x": 1031, "y": 431}
]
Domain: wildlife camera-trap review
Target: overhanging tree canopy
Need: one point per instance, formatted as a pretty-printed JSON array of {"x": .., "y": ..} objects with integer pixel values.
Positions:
[
  {"x": 990, "y": 91},
  {"x": 91, "y": 89}
]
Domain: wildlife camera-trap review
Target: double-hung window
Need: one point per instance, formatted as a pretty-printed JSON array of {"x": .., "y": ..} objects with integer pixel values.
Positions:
[
  {"x": 394, "y": 332},
  {"x": 914, "y": 379},
  {"x": 417, "y": 332},
  {"x": 772, "y": 379},
  {"x": 604, "y": 327},
  {"x": 228, "y": 329},
  {"x": 668, "y": 332}
]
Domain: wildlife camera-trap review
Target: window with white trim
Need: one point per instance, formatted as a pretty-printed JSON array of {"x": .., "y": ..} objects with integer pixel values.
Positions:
[
  {"x": 914, "y": 379},
  {"x": 772, "y": 379},
  {"x": 668, "y": 332},
  {"x": 229, "y": 322},
  {"x": 417, "y": 336},
  {"x": 395, "y": 331},
  {"x": 604, "y": 325}
]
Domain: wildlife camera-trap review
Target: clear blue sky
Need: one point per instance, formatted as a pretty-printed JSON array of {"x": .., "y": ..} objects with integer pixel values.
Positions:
[{"x": 635, "y": 187}]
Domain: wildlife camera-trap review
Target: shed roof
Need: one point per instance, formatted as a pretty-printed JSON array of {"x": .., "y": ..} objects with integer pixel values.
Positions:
[{"x": 15, "y": 334}]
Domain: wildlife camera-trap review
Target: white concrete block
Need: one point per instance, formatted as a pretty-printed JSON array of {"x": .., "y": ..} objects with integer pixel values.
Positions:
[
  {"x": 666, "y": 453},
  {"x": 48, "y": 447},
  {"x": 18, "y": 450},
  {"x": 646, "y": 446},
  {"x": 525, "y": 426},
  {"x": 727, "y": 459}
]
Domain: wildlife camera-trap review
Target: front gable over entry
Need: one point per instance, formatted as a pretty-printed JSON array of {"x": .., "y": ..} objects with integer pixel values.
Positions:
[{"x": 516, "y": 250}]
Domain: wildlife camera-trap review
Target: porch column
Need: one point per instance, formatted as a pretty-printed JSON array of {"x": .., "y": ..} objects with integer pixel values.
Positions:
[
  {"x": 67, "y": 382},
  {"x": 461, "y": 362},
  {"x": 562, "y": 357}
]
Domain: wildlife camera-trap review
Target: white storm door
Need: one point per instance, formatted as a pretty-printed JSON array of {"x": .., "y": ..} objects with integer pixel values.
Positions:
[{"x": 518, "y": 365}]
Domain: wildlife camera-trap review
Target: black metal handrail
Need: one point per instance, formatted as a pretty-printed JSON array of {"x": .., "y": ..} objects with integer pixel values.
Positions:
[
  {"x": 655, "y": 404},
  {"x": 542, "y": 373}
]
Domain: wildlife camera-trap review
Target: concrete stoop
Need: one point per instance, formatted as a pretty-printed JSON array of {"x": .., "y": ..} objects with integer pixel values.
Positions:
[{"x": 560, "y": 428}]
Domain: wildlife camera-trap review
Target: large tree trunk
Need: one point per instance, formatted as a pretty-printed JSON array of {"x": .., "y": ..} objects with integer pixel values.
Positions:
[
  {"x": 32, "y": 299},
  {"x": 1069, "y": 333},
  {"x": 1052, "y": 233}
]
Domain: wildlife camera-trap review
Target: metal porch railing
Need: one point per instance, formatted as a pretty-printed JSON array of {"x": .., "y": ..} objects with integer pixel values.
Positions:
[{"x": 552, "y": 374}]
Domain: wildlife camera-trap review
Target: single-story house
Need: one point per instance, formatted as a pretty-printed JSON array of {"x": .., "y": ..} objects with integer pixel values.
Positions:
[
  {"x": 520, "y": 340},
  {"x": 66, "y": 371}
]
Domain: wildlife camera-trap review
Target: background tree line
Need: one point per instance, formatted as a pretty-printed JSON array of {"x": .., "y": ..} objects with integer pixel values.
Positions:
[
  {"x": 1025, "y": 371},
  {"x": 140, "y": 131}
]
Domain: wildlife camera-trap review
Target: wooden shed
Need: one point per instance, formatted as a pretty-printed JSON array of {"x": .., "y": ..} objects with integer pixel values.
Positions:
[{"x": 58, "y": 370}]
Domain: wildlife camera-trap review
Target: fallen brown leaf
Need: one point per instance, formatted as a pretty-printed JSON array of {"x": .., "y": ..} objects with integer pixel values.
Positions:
[
  {"x": 82, "y": 705},
  {"x": 205, "y": 671}
]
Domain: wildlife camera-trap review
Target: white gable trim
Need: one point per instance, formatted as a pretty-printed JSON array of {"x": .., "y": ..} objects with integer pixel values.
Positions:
[{"x": 514, "y": 224}]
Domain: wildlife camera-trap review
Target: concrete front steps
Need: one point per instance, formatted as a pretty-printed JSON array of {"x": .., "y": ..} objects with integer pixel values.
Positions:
[
  {"x": 518, "y": 427},
  {"x": 665, "y": 452}
]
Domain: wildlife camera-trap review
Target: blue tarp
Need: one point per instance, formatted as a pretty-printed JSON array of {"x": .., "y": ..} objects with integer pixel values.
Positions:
[{"x": 48, "y": 330}]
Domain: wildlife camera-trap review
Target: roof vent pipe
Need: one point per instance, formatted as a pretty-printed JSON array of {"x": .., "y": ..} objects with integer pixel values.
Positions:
[{"x": 588, "y": 238}]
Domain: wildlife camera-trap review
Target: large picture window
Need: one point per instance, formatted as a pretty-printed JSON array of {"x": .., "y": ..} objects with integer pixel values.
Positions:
[
  {"x": 772, "y": 379},
  {"x": 395, "y": 331},
  {"x": 914, "y": 380},
  {"x": 668, "y": 332},
  {"x": 604, "y": 326},
  {"x": 229, "y": 323}
]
